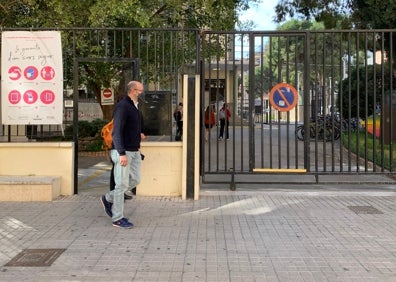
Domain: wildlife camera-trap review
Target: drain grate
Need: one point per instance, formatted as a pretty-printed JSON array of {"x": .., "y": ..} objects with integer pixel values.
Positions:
[
  {"x": 365, "y": 210},
  {"x": 35, "y": 257}
]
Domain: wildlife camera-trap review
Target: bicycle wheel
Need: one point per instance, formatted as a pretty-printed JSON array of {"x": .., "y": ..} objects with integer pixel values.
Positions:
[
  {"x": 337, "y": 133},
  {"x": 332, "y": 133},
  {"x": 300, "y": 132},
  {"x": 313, "y": 131}
]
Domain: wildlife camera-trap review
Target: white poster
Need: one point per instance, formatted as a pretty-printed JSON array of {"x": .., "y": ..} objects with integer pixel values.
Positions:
[{"x": 31, "y": 77}]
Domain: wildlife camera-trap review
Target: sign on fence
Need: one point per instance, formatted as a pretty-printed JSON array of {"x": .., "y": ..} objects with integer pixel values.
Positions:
[
  {"x": 283, "y": 97},
  {"x": 32, "y": 77}
]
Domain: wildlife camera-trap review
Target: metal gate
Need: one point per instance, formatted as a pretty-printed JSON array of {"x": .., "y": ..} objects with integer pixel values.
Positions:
[{"x": 304, "y": 104}]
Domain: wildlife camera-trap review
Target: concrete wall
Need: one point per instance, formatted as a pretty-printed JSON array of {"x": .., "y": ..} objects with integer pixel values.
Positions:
[
  {"x": 161, "y": 169},
  {"x": 41, "y": 159}
]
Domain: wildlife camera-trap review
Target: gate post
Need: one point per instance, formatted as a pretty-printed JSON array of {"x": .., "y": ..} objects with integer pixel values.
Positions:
[{"x": 191, "y": 154}]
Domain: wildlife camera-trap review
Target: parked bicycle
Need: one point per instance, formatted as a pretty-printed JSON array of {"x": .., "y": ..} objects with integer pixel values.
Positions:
[{"x": 323, "y": 128}]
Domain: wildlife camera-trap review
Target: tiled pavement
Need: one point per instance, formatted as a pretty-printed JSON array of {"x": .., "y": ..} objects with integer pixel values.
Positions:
[{"x": 317, "y": 233}]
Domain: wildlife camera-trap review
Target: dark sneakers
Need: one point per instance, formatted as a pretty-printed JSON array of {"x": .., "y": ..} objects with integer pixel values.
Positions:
[
  {"x": 106, "y": 205},
  {"x": 123, "y": 223}
]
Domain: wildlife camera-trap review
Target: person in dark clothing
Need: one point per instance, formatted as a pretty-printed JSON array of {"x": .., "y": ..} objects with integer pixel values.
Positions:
[
  {"x": 125, "y": 154},
  {"x": 224, "y": 115},
  {"x": 178, "y": 115}
]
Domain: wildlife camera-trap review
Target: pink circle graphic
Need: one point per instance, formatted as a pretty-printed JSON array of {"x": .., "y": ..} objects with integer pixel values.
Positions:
[
  {"x": 30, "y": 72},
  {"x": 47, "y": 97},
  {"x": 30, "y": 97},
  {"x": 14, "y": 73},
  {"x": 47, "y": 73},
  {"x": 14, "y": 97}
]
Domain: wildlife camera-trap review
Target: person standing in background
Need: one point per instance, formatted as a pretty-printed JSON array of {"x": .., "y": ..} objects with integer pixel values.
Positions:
[
  {"x": 209, "y": 120},
  {"x": 224, "y": 115},
  {"x": 178, "y": 115}
]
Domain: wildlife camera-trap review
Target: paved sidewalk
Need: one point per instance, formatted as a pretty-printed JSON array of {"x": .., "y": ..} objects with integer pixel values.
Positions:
[{"x": 257, "y": 233}]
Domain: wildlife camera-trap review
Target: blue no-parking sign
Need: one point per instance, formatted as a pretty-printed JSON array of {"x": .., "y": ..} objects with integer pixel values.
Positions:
[{"x": 283, "y": 97}]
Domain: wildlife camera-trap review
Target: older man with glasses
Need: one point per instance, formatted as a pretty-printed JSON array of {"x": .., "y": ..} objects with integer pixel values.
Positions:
[{"x": 125, "y": 153}]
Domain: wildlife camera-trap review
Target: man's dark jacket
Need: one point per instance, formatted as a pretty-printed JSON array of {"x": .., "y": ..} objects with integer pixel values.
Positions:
[{"x": 127, "y": 126}]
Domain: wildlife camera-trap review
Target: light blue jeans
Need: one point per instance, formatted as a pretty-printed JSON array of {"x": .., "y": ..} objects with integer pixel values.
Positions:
[{"x": 124, "y": 177}]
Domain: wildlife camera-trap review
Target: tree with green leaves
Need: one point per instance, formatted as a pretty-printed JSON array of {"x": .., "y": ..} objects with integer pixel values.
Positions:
[
  {"x": 343, "y": 14},
  {"x": 158, "y": 47},
  {"x": 359, "y": 14}
]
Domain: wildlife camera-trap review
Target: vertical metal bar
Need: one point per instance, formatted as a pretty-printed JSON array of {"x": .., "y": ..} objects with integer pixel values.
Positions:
[
  {"x": 358, "y": 79},
  {"x": 115, "y": 43},
  {"x": 242, "y": 102},
  {"x": 280, "y": 79},
  {"x": 349, "y": 97},
  {"x": 9, "y": 133},
  {"x": 297, "y": 84},
  {"x": 209, "y": 79},
  {"x": 308, "y": 128},
  {"x": 307, "y": 103},
  {"x": 251, "y": 102},
  {"x": 271, "y": 66},
  {"x": 234, "y": 100},
  {"x": 218, "y": 46},
  {"x": 324, "y": 101},
  {"x": 225, "y": 91},
  {"x": 392, "y": 101},
  {"x": 332, "y": 101},
  {"x": 366, "y": 102},
  {"x": 75, "y": 115},
  {"x": 262, "y": 105},
  {"x": 288, "y": 112},
  {"x": 341, "y": 100},
  {"x": 374, "y": 118},
  {"x": 201, "y": 109},
  {"x": 382, "y": 127},
  {"x": 163, "y": 57}
]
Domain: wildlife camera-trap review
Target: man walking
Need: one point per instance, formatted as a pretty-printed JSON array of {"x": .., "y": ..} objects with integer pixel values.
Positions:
[{"x": 125, "y": 153}]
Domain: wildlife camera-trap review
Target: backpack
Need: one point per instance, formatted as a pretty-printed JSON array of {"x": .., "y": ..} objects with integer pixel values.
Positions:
[
  {"x": 177, "y": 115},
  {"x": 106, "y": 131}
]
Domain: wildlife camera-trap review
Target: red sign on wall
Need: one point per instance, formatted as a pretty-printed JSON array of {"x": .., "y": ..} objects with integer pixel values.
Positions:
[{"x": 107, "y": 96}]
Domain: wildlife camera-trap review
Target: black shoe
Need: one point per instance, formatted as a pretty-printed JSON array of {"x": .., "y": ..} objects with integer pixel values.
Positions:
[
  {"x": 133, "y": 190},
  {"x": 127, "y": 197}
]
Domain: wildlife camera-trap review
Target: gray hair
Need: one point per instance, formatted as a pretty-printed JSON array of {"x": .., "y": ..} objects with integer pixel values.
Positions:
[{"x": 131, "y": 85}]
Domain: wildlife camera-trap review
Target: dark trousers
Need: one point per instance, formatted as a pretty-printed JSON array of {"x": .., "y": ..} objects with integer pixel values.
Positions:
[
  {"x": 112, "y": 181},
  {"x": 224, "y": 124},
  {"x": 179, "y": 128}
]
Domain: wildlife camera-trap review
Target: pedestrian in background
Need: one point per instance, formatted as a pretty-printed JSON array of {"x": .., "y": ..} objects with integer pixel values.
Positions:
[
  {"x": 178, "y": 116},
  {"x": 224, "y": 116},
  {"x": 209, "y": 120}
]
